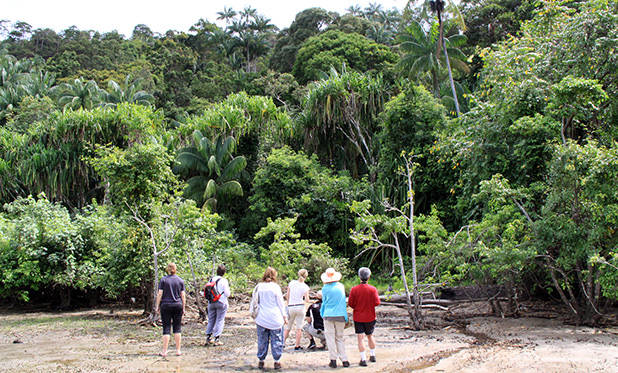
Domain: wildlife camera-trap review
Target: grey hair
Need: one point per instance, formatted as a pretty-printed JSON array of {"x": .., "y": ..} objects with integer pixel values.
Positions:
[{"x": 364, "y": 273}]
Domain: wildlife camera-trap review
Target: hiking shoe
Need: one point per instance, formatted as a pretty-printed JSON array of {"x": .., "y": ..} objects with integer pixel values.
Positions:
[
  {"x": 333, "y": 364},
  {"x": 261, "y": 365},
  {"x": 311, "y": 345},
  {"x": 363, "y": 363},
  {"x": 372, "y": 359},
  {"x": 277, "y": 365},
  {"x": 298, "y": 348},
  {"x": 346, "y": 364},
  {"x": 217, "y": 342}
]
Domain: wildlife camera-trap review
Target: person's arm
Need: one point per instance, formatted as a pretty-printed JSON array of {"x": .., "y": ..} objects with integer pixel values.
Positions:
[
  {"x": 287, "y": 295},
  {"x": 255, "y": 301},
  {"x": 281, "y": 305},
  {"x": 377, "y": 302},
  {"x": 352, "y": 299},
  {"x": 307, "y": 296},
  {"x": 183, "y": 296},
  {"x": 158, "y": 301},
  {"x": 226, "y": 288}
]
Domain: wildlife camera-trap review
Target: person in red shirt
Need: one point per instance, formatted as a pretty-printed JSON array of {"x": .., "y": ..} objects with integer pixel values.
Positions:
[{"x": 364, "y": 299}]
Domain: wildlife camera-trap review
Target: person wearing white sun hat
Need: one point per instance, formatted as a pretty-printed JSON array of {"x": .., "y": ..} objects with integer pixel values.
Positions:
[{"x": 335, "y": 315}]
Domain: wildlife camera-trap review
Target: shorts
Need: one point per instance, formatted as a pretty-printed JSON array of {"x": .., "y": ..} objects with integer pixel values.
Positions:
[
  {"x": 297, "y": 315},
  {"x": 364, "y": 327},
  {"x": 171, "y": 317}
]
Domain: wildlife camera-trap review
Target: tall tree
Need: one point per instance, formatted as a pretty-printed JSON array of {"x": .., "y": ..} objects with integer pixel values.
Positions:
[
  {"x": 420, "y": 57},
  {"x": 340, "y": 112}
]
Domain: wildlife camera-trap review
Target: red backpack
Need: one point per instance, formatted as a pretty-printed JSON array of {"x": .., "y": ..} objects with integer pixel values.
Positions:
[{"x": 211, "y": 293}]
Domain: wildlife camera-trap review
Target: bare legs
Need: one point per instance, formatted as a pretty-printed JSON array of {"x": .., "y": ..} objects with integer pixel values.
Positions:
[
  {"x": 177, "y": 340},
  {"x": 370, "y": 341},
  {"x": 166, "y": 342},
  {"x": 299, "y": 334}
]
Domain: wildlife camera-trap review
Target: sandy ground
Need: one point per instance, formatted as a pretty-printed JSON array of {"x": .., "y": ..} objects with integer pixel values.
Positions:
[{"x": 95, "y": 341}]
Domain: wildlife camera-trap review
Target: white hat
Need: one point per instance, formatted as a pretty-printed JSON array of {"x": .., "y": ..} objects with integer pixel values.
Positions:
[{"x": 330, "y": 275}]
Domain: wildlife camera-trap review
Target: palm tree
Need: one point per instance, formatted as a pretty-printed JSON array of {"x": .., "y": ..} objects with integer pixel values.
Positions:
[
  {"x": 439, "y": 7},
  {"x": 10, "y": 97},
  {"x": 78, "y": 94},
  {"x": 227, "y": 14},
  {"x": 39, "y": 84},
  {"x": 248, "y": 13},
  {"x": 420, "y": 57},
  {"x": 211, "y": 169},
  {"x": 129, "y": 92},
  {"x": 372, "y": 10},
  {"x": 380, "y": 33},
  {"x": 250, "y": 33},
  {"x": 355, "y": 10}
]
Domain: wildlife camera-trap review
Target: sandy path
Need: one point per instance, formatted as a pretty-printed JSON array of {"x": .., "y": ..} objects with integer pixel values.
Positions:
[{"x": 65, "y": 343}]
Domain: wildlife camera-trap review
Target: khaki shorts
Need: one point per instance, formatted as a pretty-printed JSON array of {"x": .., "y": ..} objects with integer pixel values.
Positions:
[{"x": 297, "y": 315}]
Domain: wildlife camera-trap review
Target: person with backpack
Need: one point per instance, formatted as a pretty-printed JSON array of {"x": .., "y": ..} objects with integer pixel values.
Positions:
[
  {"x": 171, "y": 301},
  {"x": 298, "y": 295},
  {"x": 363, "y": 299},
  {"x": 268, "y": 310},
  {"x": 216, "y": 292}
]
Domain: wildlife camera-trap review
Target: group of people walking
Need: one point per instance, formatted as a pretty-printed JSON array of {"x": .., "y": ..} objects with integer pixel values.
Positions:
[{"x": 326, "y": 319}]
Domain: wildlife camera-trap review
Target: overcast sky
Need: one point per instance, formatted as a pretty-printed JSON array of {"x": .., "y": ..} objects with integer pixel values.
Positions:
[{"x": 159, "y": 15}]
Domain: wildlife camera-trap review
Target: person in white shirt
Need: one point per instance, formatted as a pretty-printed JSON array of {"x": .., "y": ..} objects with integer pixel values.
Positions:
[
  {"x": 268, "y": 310},
  {"x": 218, "y": 309},
  {"x": 298, "y": 295}
]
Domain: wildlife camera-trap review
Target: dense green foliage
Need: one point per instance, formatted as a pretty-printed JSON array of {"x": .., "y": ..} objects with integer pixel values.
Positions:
[
  {"x": 336, "y": 48},
  {"x": 240, "y": 143}
]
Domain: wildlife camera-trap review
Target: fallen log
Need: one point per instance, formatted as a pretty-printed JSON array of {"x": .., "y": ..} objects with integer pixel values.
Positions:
[
  {"x": 404, "y": 305},
  {"x": 397, "y": 298}
]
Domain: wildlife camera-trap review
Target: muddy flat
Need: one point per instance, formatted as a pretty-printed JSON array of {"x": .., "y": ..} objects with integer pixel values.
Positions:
[{"x": 97, "y": 341}]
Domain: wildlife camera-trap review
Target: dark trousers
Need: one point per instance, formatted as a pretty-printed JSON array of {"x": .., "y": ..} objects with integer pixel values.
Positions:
[{"x": 171, "y": 316}]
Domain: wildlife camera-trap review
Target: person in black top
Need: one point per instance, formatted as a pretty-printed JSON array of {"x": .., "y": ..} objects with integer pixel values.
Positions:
[
  {"x": 315, "y": 324},
  {"x": 171, "y": 300}
]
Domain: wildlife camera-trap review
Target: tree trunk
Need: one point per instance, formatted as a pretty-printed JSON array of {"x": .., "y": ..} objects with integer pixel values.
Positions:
[
  {"x": 197, "y": 290},
  {"x": 147, "y": 296},
  {"x": 436, "y": 84},
  {"x": 450, "y": 77},
  {"x": 417, "y": 301},
  {"x": 155, "y": 260},
  {"x": 65, "y": 298},
  {"x": 415, "y": 323}
]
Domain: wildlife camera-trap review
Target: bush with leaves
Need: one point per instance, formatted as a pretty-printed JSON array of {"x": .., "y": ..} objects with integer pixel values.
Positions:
[
  {"x": 43, "y": 249},
  {"x": 293, "y": 184},
  {"x": 288, "y": 253},
  {"x": 411, "y": 122},
  {"x": 576, "y": 230}
]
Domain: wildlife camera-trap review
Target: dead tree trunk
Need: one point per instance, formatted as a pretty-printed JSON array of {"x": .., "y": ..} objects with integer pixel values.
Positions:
[
  {"x": 417, "y": 301},
  {"x": 412, "y": 312},
  {"x": 197, "y": 289}
]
